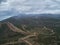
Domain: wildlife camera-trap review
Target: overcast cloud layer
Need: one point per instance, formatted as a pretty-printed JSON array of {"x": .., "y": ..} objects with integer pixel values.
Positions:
[{"x": 10, "y": 8}]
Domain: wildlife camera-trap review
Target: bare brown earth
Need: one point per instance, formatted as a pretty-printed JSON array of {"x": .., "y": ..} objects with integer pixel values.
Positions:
[{"x": 33, "y": 37}]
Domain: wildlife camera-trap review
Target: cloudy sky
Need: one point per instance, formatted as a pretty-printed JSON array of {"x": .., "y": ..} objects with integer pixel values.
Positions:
[{"x": 10, "y": 8}]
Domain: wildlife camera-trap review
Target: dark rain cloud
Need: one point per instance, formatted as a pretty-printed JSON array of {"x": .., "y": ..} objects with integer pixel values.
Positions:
[{"x": 2, "y": 1}]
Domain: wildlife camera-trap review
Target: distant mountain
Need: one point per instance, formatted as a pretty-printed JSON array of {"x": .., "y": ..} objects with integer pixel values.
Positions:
[
  {"x": 49, "y": 20},
  {"x": 56, "y": 16},
  {"x": 38, "y": 20}
]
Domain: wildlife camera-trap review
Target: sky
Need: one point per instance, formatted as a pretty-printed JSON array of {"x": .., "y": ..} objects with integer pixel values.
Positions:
[{"x": 9, "y": 8}]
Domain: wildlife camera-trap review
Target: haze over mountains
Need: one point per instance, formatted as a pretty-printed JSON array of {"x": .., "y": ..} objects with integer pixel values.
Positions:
[{"x": 36, "y": 15}]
